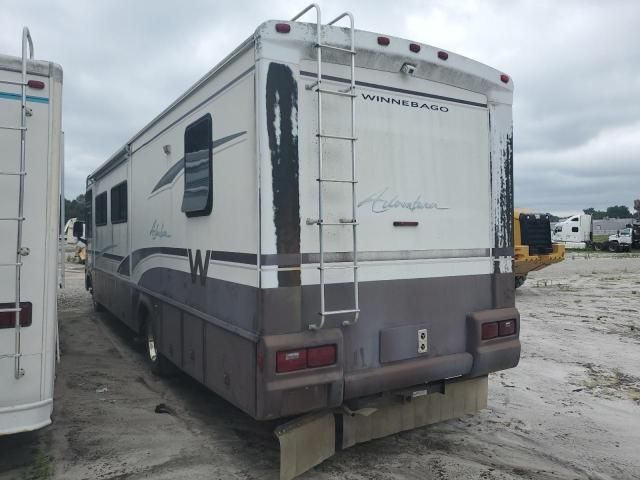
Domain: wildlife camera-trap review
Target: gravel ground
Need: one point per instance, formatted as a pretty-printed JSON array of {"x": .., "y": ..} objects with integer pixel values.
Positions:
[{"x": 570, "y": 410}]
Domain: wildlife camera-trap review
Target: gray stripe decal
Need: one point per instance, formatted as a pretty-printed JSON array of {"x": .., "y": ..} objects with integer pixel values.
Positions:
[
  {"x": 177, "y": 167},
  {"x": 395, "y": 89},
  {"x": 502, "y": 252},
  {"x": 289, "y": 260}
]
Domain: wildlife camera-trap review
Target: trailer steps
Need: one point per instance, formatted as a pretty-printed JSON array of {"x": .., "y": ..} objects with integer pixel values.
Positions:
[
  {"x": 348, "y": 93},
  {"x": 21, "y": 173}
]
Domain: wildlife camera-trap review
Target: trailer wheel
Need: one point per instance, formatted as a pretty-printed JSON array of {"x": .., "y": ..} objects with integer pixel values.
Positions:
[
  {"x": 520, "y": 279},
  {"x": 613, "y": 246},
  {"x": 598, "y": 247},
  {"x": 97, "y": 306},
  {"x": 159, "y": 364}
]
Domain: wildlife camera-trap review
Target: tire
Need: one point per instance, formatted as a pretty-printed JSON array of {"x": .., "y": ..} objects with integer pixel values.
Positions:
[
  {"x": 520, "y": 279},
  {"x": 158, "y": 363},
  {"x": 613, "y": 246},
  {"x": 598, "y": 247},
  {"x": 97, "y": 306}
]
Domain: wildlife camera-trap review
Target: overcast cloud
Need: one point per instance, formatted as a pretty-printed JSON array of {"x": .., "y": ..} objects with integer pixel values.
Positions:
[{"x": 575, "y": 64}]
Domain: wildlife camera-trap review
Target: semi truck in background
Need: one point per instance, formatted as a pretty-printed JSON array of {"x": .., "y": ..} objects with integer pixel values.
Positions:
[
  {"x": 577, "y": 232},
  {"x": 533, "y": 249},
  {"x": 31, "y": 175},
  {"x": 279, "y": 233}
]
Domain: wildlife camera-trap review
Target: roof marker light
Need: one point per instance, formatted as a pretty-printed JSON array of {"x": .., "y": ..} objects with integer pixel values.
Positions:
[
  {"x": 504, "y": 78},
  {"x": 283, "y": 27},
  {"x": 443, "y": 55},
  {"x": 384, "y": 41},
  {"x": 37, "y": 84},
  {"x": 414, "y": 47}
]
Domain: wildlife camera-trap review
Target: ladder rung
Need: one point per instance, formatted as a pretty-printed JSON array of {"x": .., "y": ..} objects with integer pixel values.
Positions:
[
  {"x": 338, "y": 137},
  {"x": 339, "y": 312},
  {"x": 16, "y": 219},
  {"x": 336, "y": 223},
  {"x": 335, "y": 180},
  {"x": 336, "y": 92},
  {"x": 2, "y": 127},
  {"x": 339, "y": 267},
  {"x": 8, "y": 310},
  {"x": 340, "y": 49},
  {"x": 13, "y": 173},
  {"x": 10, "y": 82}
]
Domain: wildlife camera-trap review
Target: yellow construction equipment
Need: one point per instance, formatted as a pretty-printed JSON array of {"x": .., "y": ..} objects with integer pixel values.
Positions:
[{"x": 533, "y": 249}]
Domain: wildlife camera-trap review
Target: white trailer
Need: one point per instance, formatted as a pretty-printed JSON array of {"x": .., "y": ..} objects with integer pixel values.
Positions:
[
  {"x": 579, "y": 232},
  {"x": 282, "y": 232},
  {"x": 30, "y": 206}
]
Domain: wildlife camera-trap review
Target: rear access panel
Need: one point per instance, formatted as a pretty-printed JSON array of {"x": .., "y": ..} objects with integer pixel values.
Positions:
[{"x": 402, "y": 343}]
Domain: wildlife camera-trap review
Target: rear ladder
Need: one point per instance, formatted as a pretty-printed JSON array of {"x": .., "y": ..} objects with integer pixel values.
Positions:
[
  {"x": 21, "y": 251},
  {"x": 348, "y": 93}
]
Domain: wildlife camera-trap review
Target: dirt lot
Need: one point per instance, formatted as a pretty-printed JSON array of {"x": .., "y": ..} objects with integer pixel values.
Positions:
[{"x": 570, "y": 410}]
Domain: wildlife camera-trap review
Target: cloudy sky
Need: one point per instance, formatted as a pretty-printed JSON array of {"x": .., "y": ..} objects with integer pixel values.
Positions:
[{"x": 575, "y": 64}]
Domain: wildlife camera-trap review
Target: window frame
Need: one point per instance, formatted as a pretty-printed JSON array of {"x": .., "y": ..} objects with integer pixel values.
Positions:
[
  {"x": 99, "y": 197},
  {"x": 209, "y": 205},
  {"x": 88, "y": 206},
  {"x": 119, "y": 189}
]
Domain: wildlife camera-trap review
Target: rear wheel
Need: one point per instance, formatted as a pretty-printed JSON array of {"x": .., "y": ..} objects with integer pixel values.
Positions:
[
  {"x": 520, "y": 279},
  {"x": 158, "y": 362}
]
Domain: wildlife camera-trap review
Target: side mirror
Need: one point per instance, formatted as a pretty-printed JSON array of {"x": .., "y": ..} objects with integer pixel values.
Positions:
[{"x": 78, "y": 229}]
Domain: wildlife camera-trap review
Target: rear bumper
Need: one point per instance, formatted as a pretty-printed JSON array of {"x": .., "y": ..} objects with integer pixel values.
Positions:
[
  {"x": 302, "y": 391},
  {"x": 25, "y": 418}
]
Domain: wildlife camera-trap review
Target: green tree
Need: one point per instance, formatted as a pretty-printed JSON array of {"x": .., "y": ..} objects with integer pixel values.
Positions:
[
  {"x": 618, "y": 211},
  {"x": 75, "y": 208}
]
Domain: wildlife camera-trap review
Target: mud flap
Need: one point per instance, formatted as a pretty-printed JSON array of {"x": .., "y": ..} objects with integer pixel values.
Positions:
[
  {"x": 308, "y": 440},
  {"x": 305, "y": 442},
  {"x": 459, "y": 398}
]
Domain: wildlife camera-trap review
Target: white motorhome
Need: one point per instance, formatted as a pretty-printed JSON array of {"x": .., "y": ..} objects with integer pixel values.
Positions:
[
  {"x": 30, "y": 205},
  {"x": 281, "y": 232}
]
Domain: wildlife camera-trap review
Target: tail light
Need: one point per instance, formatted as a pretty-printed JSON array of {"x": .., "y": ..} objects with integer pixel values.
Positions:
[
  {"x": 498, "y": 329},
  {"x": 321, "y": 356},
  {"x": 8, "y": 319},
  {"x": 292, "y": 360}
]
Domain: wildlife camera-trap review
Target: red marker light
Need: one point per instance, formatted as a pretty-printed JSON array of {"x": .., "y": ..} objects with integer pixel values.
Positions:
[
  {"x": 504, "y": 78},
  {"x": 443, "y": 55},
  {"x": 37, "y": 84},
  {"x": 384, "y": 41},
  {"x": 283, "y": 27},
  {"x": 414, "y": 47}
]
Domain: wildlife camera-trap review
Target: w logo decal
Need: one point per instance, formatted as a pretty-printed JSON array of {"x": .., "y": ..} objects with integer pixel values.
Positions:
[{"x": 197, "y": 267}]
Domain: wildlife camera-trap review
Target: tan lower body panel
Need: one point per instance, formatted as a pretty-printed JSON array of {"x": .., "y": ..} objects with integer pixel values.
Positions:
[{"x": 311, "y": 439}]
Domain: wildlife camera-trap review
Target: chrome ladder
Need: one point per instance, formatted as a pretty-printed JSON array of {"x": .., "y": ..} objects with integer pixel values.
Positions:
[
  {"x": 21, "y": 251},
  {"x": 348, "y": 93}
]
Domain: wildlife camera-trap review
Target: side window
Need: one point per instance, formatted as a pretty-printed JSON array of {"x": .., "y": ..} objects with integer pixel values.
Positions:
[
  {"x": 88, "y": 206},
  {"x": 575, "y": 219},
  {"x": 119, "y": 203},
  {"x": 575, "y": 229},
  {"x": 198, "y": 182},
  {"x": 101, "y": 209}
]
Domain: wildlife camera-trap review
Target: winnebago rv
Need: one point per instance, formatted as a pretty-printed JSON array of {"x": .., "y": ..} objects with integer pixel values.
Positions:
[
  {"x": 30, "y": 205},
  {"x": 281, "y": 232}
]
